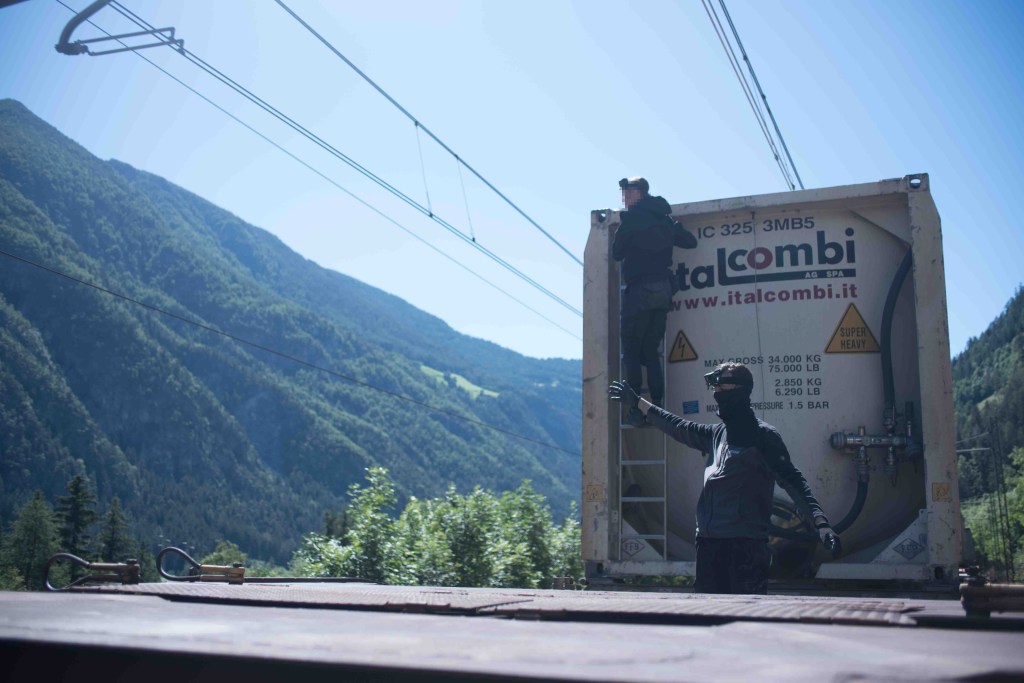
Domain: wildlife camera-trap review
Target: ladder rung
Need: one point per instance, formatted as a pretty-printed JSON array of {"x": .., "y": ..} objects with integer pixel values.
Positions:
[{"x": 650, "y": 537}]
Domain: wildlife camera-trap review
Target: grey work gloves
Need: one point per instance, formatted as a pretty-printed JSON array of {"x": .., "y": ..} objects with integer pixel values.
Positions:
[{"x": 619, "y": 390}]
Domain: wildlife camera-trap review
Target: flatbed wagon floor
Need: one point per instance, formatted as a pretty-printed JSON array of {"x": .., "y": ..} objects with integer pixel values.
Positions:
[{"x": 155, "y": 632}]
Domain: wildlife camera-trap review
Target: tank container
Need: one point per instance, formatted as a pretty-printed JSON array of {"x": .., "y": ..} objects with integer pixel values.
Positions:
[{"x": 835, "y": 298}]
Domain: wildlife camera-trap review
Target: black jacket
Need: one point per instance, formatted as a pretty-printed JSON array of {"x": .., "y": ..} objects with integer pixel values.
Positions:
[
  {"x": 645, "y": 239},
  {"x": 739, "y": 481}
]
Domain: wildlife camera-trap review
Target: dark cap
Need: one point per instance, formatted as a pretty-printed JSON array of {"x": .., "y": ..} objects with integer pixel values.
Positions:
[
  {"x": 637, "y": 182},
  {"x": 730, "y": 373}
]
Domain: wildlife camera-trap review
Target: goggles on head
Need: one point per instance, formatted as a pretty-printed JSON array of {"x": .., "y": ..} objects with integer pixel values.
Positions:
[{"x": 716, "y": 377}]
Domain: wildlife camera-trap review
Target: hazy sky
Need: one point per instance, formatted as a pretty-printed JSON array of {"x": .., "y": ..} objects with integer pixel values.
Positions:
[{"x": 552, "y": 102}]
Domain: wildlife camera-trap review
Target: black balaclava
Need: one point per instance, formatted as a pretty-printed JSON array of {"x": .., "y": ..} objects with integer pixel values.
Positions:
[
  {"x": 733, "y": 403},
  {"x": 735, "y": 411}
]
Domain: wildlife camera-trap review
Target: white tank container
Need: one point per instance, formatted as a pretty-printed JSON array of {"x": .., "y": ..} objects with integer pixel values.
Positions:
[{"x": 795, "y": 285}]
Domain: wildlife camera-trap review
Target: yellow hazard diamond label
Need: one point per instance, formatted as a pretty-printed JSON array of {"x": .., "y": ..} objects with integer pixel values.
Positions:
[
  {"x": 593, "y": 493},
  {"x": 941, "y": 493},
  {"x": 852, "y": 335},
  {"x": 681, "y": 349}
]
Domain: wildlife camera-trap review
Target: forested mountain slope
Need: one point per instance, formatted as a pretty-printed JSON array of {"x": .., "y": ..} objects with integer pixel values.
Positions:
[
  {"x": 988, "y": 389},
  {"x": 202, "y": 436}
]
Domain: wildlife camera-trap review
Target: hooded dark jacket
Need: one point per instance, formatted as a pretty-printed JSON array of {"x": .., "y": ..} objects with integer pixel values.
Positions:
[
  {"x": 645, "y": 239},
  {"x": 743, "y": 463}
]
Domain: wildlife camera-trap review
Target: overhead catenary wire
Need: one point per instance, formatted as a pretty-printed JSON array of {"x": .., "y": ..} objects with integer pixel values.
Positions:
[
  {"x": 348, "y": 192},
  {"x": 223, "y": 78},
  {"x": 425, "y": 129},
  {"x": 465, "y": 200},
  {"x": 716, "y": 23},
  {"x": 764, "y": 98},
  {"x": 195, "y": 59},
  {"x": 423, "y": 170},
  {"x": 281, "y": 354},
  {"x": 747, "y": 91}
]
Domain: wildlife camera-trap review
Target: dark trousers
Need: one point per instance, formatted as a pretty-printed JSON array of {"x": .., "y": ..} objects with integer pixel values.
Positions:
[
  {"x": 642, "y": 333},
  {"x": 732, "y": 565}
]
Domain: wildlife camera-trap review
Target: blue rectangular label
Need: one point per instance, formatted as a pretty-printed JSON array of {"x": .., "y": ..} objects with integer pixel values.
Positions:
[{"x": 691, "y": 407}]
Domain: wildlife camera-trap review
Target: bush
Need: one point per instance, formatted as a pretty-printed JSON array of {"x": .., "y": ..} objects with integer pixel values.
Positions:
[{"x": 477, "y": 539}]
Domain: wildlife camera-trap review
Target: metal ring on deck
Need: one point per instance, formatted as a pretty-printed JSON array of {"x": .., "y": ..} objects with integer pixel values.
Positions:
[
  {"x": 111, "y": 572},
  {"x": 201, "y": 572}
]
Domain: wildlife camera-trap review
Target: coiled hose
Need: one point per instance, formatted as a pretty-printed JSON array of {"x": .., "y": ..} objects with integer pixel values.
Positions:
[{"x": 889, "y": 394}]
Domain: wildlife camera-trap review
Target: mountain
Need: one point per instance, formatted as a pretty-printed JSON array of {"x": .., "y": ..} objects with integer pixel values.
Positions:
[
  {"x": 988, "y": 394},
  {"x": 114, "y": 284}
]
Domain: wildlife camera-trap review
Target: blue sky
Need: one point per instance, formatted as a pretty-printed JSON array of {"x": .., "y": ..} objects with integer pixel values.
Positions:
[{"x": 552, "y": 102}]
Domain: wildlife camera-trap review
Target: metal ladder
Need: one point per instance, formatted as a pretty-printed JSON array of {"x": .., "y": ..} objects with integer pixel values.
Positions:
[{"x": 637, "y": 540}]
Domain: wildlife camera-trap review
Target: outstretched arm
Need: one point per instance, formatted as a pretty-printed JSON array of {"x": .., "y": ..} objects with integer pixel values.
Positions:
[
  {"x": 693, "y": 434},
  {"x": 792, "y": 480}
]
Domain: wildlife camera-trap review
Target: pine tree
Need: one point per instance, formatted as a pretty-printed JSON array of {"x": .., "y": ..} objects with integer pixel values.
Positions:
[
  {"x": 115, "y": 542},
  {"x": 30, "y": 544},
  {"x": 77, "y": 512},
  {"x": 147, "y": 562}
]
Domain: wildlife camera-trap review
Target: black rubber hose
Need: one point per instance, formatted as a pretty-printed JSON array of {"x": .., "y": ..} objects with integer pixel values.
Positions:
[
  {"x": 888, "y": 312},
  {"x": 889, "y": 394},
  {"x": 843, "y": 525},
  {"x": 855, "y": 509}
]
